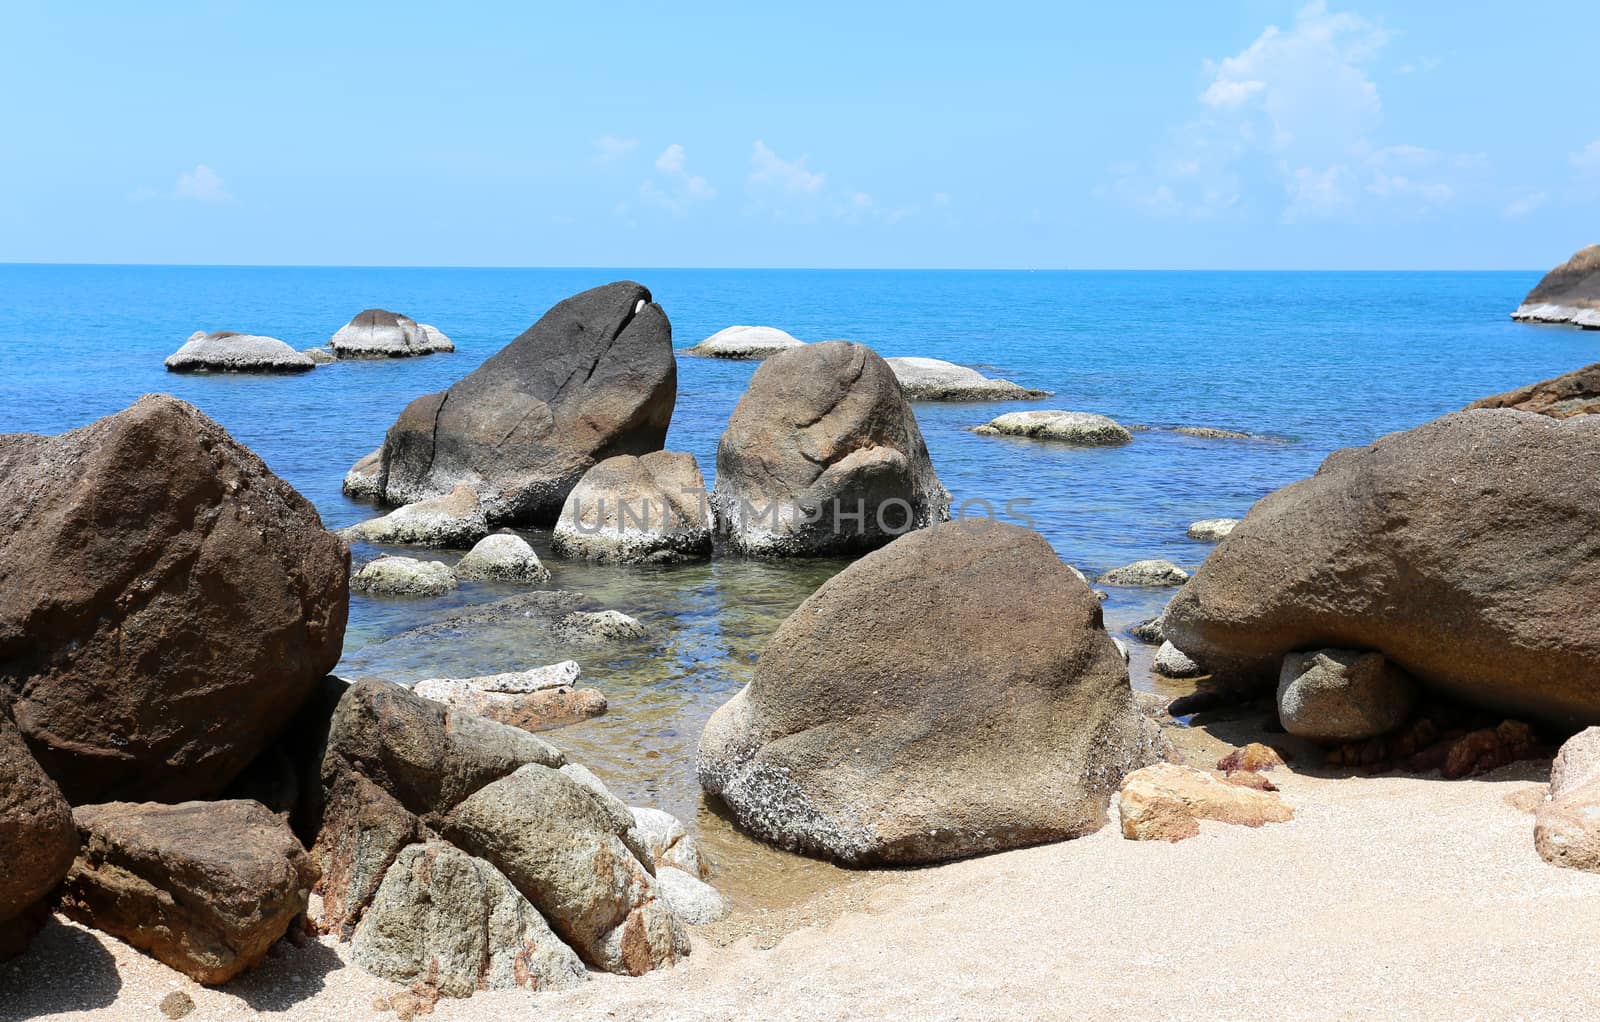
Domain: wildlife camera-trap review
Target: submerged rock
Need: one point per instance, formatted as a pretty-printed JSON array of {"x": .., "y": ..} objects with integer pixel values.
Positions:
[
  {"x": 227, "y": 352},
  {"x": 1150, "y": 573},
  {"x": 1342, "y": 695},
  {"x": 204, "y": 887},
  {"x": 1463, "y": 550},
  {"x": 913, "y": 710},
  {"x": 600, "y": 626},
  {"x": 748, "y": 343},
  {"x": 1213, "y": 433},
  {"x": 502, "y": 557},
  {"x": 379, "y": 333},
  {"x": 403, "y": 576},
  {"x": 823, "y": 456},
  {"x": 1570, "y": 293},
  {"x": 535, "y": 700},
  {"x": 1082, "y": 428},
  {"x": 454, "y": 520},
  {"x": 320, "y": 356},
  {"x": 1574, "y": 393},
  {"x": 1211, "y": 530},
  {"x": 930, "y": 379},
  {"x": 593, "y": 378},
  {"x": 636, "y": 510},
  {"x": 1166, "y": 802},
  {"x": 38, "y": 841},
  {"x": 168, "y": 603}
]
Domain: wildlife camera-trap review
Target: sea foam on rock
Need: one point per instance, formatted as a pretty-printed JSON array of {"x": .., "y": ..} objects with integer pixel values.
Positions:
[
  {"x": 1570, "y": 293},
  {"x": 226, "y": 352},
  {"x": 914, "y": 710}
]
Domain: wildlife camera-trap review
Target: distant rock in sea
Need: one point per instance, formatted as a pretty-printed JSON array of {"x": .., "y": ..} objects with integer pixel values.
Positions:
[
  {"x": 379, "y": 333},
  {"x": 1082, "y": 428},
  {"x": 1575, "y": 393},
  {"x": 746, "y": 343},
  {"x": 930, "y": 379},
  {"x": 1570, "y": 293},
  {"x": 226, "y": 352}
]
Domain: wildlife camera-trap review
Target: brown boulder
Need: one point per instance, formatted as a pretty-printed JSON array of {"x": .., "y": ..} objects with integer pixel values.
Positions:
[
  {"x": 593, "y": 378},
  {"x": 1166, "y": 802},
  {"x": 166, "y": 602},
  {"x": 37, "y": 840},
  {"x": 1463, "y": 550},
  {"x": 205, "y": 887},
  {"x": 823, "y": 455},
  {"x": 952, "y": 694},
  {"x": 627, "y": 510},
  {"x": 1574, "y": 393}
]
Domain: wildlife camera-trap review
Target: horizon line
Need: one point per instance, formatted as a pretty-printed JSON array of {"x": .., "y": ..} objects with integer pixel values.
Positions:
[{"x": 772, "y": 269}]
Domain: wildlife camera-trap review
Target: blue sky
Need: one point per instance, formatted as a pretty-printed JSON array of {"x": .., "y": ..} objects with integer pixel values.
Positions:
[{"x": 1002, "y": 134}]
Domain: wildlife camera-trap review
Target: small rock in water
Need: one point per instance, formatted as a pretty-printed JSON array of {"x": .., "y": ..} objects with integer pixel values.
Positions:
[
  {"x": 177, "y": 1005},
  {"x": 1150, "y": 573},
  {"x": 746, "y": 343},
  {"x": 931, "y": 379},
  {"x": 502, "y": 557},
  {"x": 361, "y": 482},
  {"x": 403, "y": 576},
  {"x": 1149, "y": 632},
  {"x": 534, "y": 700},
  {"x": 1212, "y": 530},
  {"x": 228, "y": 352},
  {"x": 379, "y": 333},
  {"x": 1083, "y": 428},
  {"x": 454, "y": 520},
  {"x": 320, "y": 356},
  {"x": 600, "y": 626},
  {"x": 1212, "y": 433},
  {"x": 1172, "y": 662}
]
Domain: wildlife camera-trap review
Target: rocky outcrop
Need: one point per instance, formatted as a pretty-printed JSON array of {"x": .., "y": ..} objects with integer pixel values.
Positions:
[
  {"x": 166, "y": 602},
  {"x": 930, "y": 379},
  {"x": 593, "y": 378},
  {"x": 1462, "y": 550},
  {"x": 914, "y": 710},
  {"x": 534, "y": 700},
  {"x": 747, "y": 343},
  {"x": 1151, "y": 573},
  {"x": 205, "y": 887},
  {"x": 1080, "y": 428},
  {"x": 1574, "y": 393},
  {"x": 227, "y": 352},
  {"x": 37, "y": 841},
  {"x": 456, "y": 520},
  {"x": 637, "y": 510},
  {"x": 1570, "y": 293},
  {"x": 1342, "y": 695},
  {"x": 1567, "y": 825},
  {"x": 823, "y": 456},
  {"x": 502, "y": 557},
  {"x": 1166, "y": 802},
  {"x": 1211, "y": 530},
  {"x": 403, "y": 576},
  {"x": 379, "y": 333}
]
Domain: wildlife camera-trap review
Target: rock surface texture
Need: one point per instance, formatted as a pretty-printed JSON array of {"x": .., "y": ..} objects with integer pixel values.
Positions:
[
  {"x": 166, "y": 602},
  {"x": 1574, "y": 393},
  {"x": 1567, "y": 826},
  {"x": 403, "y": 576},
  {"x": 747, "y": 343},
  {"x": 930, "y": 379},
  {"x": 1166, "y": 802},
  {"x": 38, "y": 840},
  {"x": 455, "y": 520},
  {"x": 1342, "y": 695},
  {"x": 205, "y": 887},
  {"x": 227, "y": 352},
  {"x": 1152, "y": 573},
  {"x": 913, "y": 710},
  {"x": 637, "y": 510},
  {"x": 1081, "y": 428},
  {"x": 593, "y": 378},
  {"x": 823, "y": 456},
  {"x": 534, "y": 700},
  {"x": 1463, "y": 550},
  {"x": 1570, "y": 293},
  {"x": 502, "y": 557},
  {"x": 1211, "y": 530},
  {"x": 379, "y": 333}
]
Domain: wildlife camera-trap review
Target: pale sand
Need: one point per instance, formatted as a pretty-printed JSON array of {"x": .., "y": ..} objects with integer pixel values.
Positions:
[{"x": 1385, "y": 898}]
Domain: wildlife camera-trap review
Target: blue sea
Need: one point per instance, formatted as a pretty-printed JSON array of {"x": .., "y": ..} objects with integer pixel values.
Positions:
[{"x": 1309, "y": 362}]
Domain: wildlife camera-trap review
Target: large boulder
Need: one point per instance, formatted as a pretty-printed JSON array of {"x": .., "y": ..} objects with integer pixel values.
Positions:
[
  {"x": 593, "y": 378},
  {"x": 746, "y": 343},
  {"x": 1570, "y": 293},
  {"x": 166, "y": 602},
  {"x": 932, "y": 379},
  {"x": 226, "y": 352},
  {"x": 1574, "y": 393},
  {"x": 205, "y": 887},
  {"x": 1464, "y": 550},
  {"x": 38, "y": 840},
  {"x": 379, "y": 333},
  {"x": 951, "y": 694},
  {"x": 823, "y": 456},
  {"x": 635, "y": 510}
]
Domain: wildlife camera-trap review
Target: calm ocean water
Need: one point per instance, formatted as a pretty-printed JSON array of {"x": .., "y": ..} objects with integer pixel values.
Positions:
[{"x": 1316, "y": 361}]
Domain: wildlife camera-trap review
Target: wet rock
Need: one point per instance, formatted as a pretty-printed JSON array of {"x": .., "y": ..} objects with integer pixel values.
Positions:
[
  {"x": 37, "y": 840},
  {"x": 536, "y": 700},
  {"x": 168, "y": 602},
  {"x": 379, "y": 333},
  {"x": 1342, "y": 695},
  {"x": 1570, "y": 293},
  {"x": 502, "y": 557},
  {"x": 600, "y": 626},
  {"x": 456, "y": 922},
  {"x": 823, "y": 456},
  {"x": 204, "y": 887},
  {"x": 455, "y": 520},
  {"x": 1460, "y": 550},
  {"x": 1172, "y": 662},
  {"x": 593, "y": 378},
  {"x": 403, "y": 576},
  {"x": 693, "y": 900},
  {"x": 1211, "y": 530},
  {"x": 1081, "y": 428},
  {"x": 1574, "y": 393},
  {"x": 744, "y": 342},
  {"x": 1151, "y": 573},
  {"x": 637, "y": 510},
  {"x": 228, "y": 352},
  {"x": 1166, "y": 802},
  {"x": 929, "y": 379},
  {"x": 913, "y": 710},
  {"x": 1150, "y": 632},
  {"x": 1213, "y": 433}
]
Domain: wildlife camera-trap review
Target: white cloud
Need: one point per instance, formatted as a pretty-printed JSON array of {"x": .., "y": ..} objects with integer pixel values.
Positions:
[
  {"x": 770, "y": 172},
  {"x": 1525, "y": 204},
  {"x": 674, "y": 188},
  {"x": 1586, "y": 161},
  {"x": 201, "y": 184},
  {"x": 609, "y": 149},
  {"x": 671, "y": 160}
]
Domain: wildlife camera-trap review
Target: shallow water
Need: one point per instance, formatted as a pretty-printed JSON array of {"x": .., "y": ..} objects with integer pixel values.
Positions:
[{"x": 1312, "y": 361}]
